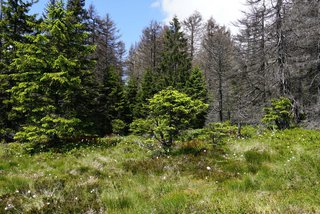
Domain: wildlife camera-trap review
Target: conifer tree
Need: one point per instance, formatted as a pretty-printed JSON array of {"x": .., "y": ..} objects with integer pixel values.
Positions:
[
  {"x": 149, "y": 86},
  {"x": 108, "y": 73},
  {"x": 52, "y": 69},
  {"x": 111, "y": 101},
  {"x": 131, "y": 95},
  {"x": 197, "y": 90},
  {"x": 196, "y": 85},
  {"x": 175, "y": 65},
  {"x": 15, "y": 23},
  {"x": 78, "y": 10}
]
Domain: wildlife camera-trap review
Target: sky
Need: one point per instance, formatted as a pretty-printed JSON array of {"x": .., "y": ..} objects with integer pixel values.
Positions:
[{"x": 132, "y": 16}]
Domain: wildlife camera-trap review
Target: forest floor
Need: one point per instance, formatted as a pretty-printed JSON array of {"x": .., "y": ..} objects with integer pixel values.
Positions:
[{"x": 266, "y": 172}]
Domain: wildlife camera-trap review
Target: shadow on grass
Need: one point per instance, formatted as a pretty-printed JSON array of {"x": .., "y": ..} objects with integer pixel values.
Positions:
[
  {"x": 63, "y": 146},
  {"x": 191, "y": 158}
]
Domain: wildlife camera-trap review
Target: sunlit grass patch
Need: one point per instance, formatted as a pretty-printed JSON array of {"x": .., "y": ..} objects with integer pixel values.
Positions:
[{"x": 270, "y": 172}]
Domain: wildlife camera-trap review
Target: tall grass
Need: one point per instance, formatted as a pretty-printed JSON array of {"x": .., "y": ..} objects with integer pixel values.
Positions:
[{"x": 263, "y": 172}]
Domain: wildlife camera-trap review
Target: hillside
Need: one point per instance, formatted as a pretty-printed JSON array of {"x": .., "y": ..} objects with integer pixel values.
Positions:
[{"x": 263, "y": 172}]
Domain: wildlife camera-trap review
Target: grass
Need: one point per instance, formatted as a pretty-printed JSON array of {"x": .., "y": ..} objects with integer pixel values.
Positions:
[{"x": 265, "y": 172}]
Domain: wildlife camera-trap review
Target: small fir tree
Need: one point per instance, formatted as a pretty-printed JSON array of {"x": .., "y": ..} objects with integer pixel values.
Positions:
[
  {"x": 196, "y": 89},
  {"x": 170, "y": 112}
]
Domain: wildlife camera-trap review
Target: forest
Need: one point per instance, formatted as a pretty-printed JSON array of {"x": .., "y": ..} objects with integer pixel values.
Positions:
[
  {"x": 66, "y": 75},
  {"x": 192, "y": 118}
]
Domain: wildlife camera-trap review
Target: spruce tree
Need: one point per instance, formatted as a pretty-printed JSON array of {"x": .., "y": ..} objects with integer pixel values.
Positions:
[
  {"x": 149, "y": 86},
  {"x": 175, "y": 65},
  {"x": 15, "y": 23},
  {"x": 108, "y": 73},
  {"x": 111, "y": 101},
  {"x": 197, "y": 90},
  {"x": 131, "y": 94},
  {"x": 77, "y": 7},
  {"x": 52, "y": 69}
]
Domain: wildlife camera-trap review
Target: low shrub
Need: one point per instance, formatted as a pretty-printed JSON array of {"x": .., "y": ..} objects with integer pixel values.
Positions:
[{"x": 218, "y": 133}]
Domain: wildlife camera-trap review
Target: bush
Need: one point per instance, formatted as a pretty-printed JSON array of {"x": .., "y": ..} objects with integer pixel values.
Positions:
[
  {"x": 141, "y": 126},
  {"x": 192, "y": 134},
  {"x": 118, "y": 126},
  {"x": 279, "y": 115},
  {"x": 172, "y": 112},
  {"x": 217, "y": 133}
]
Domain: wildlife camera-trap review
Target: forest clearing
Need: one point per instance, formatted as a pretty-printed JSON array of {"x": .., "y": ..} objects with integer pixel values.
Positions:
[
  {"x": 192, "y": 118},
  {"x": 262, "y": 172}
]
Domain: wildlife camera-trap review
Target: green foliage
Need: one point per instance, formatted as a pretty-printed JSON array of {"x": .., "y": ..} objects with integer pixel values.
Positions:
[
  {"x": 110, "y": 101},
  {"x": 175, "y": 66},
  {"x": 118, "y": 126},
  {"x": 51, "y": 84},
  {"x": 218, "y": 133},
  {"x": 279, "y": 115},
  {"x": 192, "y": 134},
  {"x": 141, "y": 126},
  {"x": 171, "y": 112},
  {"x": 196, "y": 85},
  {"x": 149, "y": 86},
  {"x": 196, "y": 88},
  {"x": 131, "y": 96},
  {"x": 49, "y": 128},
  {"x": 15, "y": 23}
]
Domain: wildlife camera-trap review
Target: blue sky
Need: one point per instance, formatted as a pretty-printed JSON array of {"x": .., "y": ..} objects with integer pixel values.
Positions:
[{"x": 132, "y": 16}]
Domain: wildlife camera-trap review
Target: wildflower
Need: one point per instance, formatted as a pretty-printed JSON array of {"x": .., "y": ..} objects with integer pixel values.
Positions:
[{"x": 8, "y": 207}]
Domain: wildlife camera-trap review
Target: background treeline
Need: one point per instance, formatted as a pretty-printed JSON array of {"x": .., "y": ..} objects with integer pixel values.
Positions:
[
  {"x": 64, "y": 75},
  {"x": 276, "y": 53}
]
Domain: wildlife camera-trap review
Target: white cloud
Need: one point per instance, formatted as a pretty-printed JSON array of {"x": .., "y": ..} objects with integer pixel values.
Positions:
[
  {"x": 156, "y": 4},
  {"x": 223, "y": 11}
]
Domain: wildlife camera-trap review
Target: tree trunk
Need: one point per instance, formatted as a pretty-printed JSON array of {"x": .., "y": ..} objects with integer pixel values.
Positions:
[
  {"x": 220, "y": 95},
  {"x": 281, "y": 59}
]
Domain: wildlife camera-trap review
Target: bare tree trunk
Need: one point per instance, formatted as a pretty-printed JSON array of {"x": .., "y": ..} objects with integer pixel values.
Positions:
[
  {"x": 281, "y": 58},
  {"x": 220, "y": 95},
  {"x": 263, "y": 55}
]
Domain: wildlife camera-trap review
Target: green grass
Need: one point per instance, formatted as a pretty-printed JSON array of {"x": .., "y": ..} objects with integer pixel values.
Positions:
[{"x": 265, "y": 172}]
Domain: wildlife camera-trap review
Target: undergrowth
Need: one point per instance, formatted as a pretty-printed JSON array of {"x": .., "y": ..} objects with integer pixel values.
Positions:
[{"x": 261, "y": 172}]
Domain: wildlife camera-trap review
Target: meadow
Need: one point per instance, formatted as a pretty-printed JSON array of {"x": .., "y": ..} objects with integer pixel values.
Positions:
[{"x": 261, "y": 172}]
